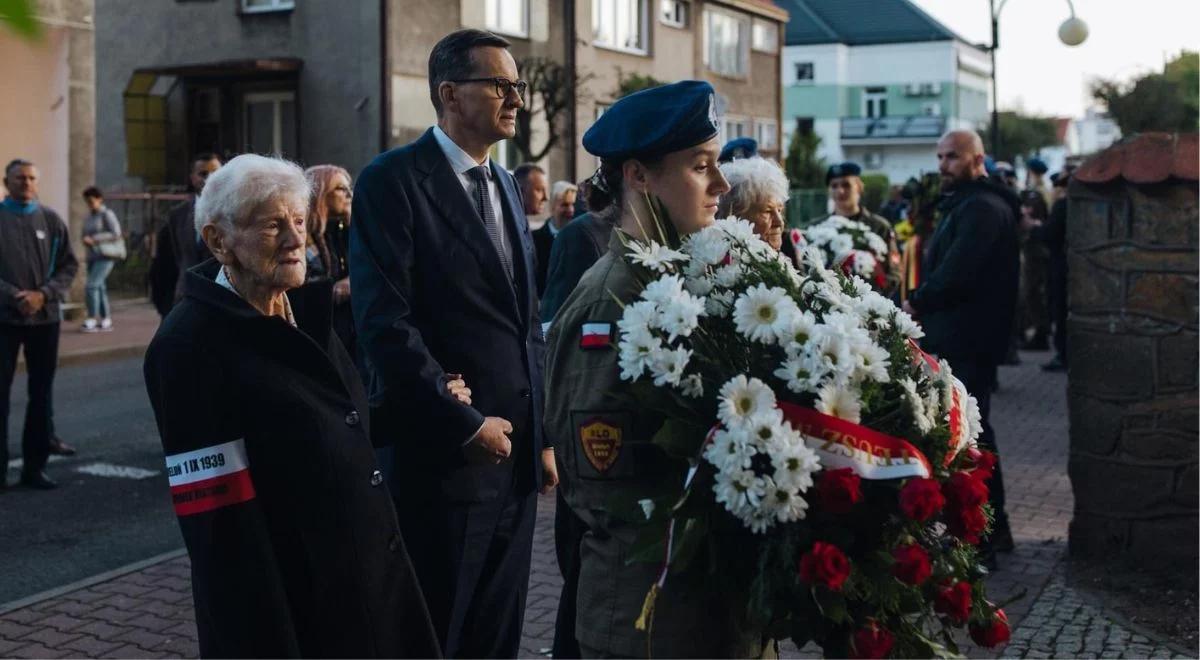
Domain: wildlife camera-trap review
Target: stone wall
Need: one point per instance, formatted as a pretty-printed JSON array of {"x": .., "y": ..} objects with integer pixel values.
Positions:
[{"x": 1133, "y": 381}]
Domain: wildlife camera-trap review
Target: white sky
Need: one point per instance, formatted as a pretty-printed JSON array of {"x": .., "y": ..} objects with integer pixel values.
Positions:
[{"x": 1038, "y": 73}]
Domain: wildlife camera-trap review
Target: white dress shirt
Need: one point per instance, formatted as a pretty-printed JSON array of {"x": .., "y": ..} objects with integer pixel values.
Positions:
[{"x": 462, "y": 162}]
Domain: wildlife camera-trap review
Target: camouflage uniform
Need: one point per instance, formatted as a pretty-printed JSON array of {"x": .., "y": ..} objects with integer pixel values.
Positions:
[{"x": 605, "y": 449}]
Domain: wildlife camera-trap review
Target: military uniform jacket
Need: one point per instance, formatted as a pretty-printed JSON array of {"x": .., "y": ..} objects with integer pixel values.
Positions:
[
  {"x": 602, "y": 445},
  {"x": 292, "y": 534}
]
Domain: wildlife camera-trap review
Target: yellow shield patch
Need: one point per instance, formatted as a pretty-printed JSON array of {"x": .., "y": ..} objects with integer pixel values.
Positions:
[{"x": 601, "y": 443}]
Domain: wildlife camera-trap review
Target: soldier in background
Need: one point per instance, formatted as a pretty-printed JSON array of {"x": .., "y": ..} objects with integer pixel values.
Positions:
[{"x": 845, "y": 189}]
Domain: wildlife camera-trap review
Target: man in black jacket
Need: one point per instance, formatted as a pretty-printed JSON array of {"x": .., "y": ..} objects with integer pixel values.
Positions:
[
  {"x": 177, "y": 245},
  {"x": 37, "y": 267},
  {"x": 1056, "y": 282},
  {"x": 968, "y": 296},
  {"x": 442, "y": 269}
]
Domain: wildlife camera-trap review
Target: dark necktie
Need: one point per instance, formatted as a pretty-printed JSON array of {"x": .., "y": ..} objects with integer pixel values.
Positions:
[{"x": 483, "y": 200}]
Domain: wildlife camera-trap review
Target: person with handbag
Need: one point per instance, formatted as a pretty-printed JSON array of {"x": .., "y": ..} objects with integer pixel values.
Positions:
[{"x": 106, "y": 246}]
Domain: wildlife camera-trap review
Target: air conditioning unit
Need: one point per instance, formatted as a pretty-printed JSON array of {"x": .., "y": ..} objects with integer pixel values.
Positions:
[
  {"x": 912, "y": 89},
  {"x": 935, "y": 88},
  {"x": 931, "y": 109}
]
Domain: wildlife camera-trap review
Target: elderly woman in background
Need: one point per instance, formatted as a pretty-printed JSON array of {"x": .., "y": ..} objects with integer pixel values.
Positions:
[
  {"x": 294, "y": 545},
  {"x": 758, "y": 193},
  {"x": 328, "y": 229}
]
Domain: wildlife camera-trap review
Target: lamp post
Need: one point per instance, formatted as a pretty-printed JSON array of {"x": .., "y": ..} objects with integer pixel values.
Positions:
[{"x": 1072, "y": 32}]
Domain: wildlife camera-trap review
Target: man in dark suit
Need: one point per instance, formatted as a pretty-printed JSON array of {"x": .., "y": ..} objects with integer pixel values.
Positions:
[
  {"x": 178, "y": 247},
  {"x": 968, "y": 293},
  {"x": 441, "y": 264},
  {"x": 562, "y": 209}
]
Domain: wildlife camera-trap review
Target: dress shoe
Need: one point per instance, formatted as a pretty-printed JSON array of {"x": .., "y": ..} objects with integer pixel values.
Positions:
[
  {"x": 38, "y": 480},
  {"x": 1001, "y": 538},
  {"x": 57, "y": 446},
  {"x": 1055, "y": 364}
]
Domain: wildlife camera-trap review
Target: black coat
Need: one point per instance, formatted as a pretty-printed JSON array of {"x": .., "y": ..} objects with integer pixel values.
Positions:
[
  {"x": 578, "y": 245},
  {"x": 431, "y": 297},
  {"x": 968, "y": 293},
  {"x": 293, "y": 539},
  {"x": 543, "y": 241}
]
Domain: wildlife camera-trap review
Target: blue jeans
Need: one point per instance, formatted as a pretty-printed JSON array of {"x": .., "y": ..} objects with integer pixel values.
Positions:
[{"x": 97, "y": 289}]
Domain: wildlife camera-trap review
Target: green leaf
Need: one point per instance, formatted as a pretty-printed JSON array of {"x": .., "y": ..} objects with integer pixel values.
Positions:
[
  {"x": 18, "y": 16},
  {"x": 680, "y": 438}
]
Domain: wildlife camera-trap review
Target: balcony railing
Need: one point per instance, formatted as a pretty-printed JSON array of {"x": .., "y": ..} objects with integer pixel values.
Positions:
[{"x": 900, "y": 127}]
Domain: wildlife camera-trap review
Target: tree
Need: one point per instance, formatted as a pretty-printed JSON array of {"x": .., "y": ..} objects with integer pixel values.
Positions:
[
  {"x": 805, "y": 169},
  {"x": 553, "y": 90},
  {"x": 18, "y": 16},
  {"x": 1021, "y": 135},
  {"x": 1165, "y": 101},
  {"x": 628, "y": 83}
]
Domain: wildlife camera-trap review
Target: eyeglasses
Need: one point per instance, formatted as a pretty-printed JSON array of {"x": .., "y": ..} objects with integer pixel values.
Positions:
[
  {"x": 503, "y": 85},
  {"x": 343, "y": 189}
]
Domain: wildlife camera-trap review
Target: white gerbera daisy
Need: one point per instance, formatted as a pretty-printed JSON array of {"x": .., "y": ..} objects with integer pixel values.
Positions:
[
  {"x": 841, "y": 402},
  {"x": 658, "y": 258},
  {"x": 667, "y": 366},
  {"x": 730, "y": 450},
  {"x": 794, "y": 462},
  {"x": 764, "y": 314},
  {"x": 742, "y": 399},
  {"x": 783, "y": 503}
]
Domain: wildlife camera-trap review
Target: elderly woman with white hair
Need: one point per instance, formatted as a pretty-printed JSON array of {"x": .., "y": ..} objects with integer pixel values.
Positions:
[
  {"x": 294, "y": 544},
  {"x": 758, "y": 193}
]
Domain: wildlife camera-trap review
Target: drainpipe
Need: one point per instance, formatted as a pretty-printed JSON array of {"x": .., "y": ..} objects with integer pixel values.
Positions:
[{"x": 569, "y": 63}]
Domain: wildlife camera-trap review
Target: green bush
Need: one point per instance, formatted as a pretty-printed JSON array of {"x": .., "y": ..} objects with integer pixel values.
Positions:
[{"x": 875, "y": 191}]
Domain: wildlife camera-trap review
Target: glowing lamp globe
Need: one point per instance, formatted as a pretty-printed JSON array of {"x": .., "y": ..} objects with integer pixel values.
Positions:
[{"x": 1073, "y": 31}]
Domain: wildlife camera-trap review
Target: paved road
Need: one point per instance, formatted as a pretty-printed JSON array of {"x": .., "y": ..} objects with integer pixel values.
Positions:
[{"x": 92, "y": 523}]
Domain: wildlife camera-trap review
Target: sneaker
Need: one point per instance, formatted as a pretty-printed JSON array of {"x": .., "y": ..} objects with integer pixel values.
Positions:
[
  {"x": 106, "y": 325},
  {"x": 1055, "y": 364},
  {"x": 89, "y": 325}
]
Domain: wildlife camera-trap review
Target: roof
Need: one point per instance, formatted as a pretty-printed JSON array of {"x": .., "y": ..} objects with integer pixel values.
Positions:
[
  {"x": 861, "y": 22},
  {"x": 1145, "y": 158}
]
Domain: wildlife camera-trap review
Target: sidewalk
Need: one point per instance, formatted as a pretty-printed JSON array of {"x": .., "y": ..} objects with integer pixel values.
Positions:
[
  {"x": 147, "y": 612},
  {"x": 134, "y": 324}
]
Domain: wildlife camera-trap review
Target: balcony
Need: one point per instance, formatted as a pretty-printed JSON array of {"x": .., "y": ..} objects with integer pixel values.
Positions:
[{"x": 897, "y": 129}]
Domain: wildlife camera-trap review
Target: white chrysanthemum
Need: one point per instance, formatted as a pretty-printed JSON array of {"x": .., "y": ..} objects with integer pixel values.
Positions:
[
  {"x": 764, "y": 314},
  {"x": 667, "y": 366},
  {"x": 907, "y": 326},
  {"x": 730, "y": 450},
  {"x": 864, "y": 263},
  {"x": 718, "y": 303},
  {"x": 831, "y": 353},
  {"x": 728, "y": 276},
  {"x": 709, "y": 246},
  {"x": 698, "y": 286},
  {"x": 800, "y": 328},
  {"x": 679, "y": 316},
  {"x": 916, "y": 405},
  {"x": 794, "y": 462},
  {"x": 742, "y": 399},
  {"x": 738, "y": 230},
  {"x": 841, "y": 245},
  {"x": 794, "y": 373},
  {"x": 873, "y": 362},
  {"x": 638, "y": 315},
  {"x": 841, "y": 402},
  {"x": 782, "y": 503},
  {"x": 877, "y": 244},
  {"x": 740, "y": 491},
  {"x": 765, "y": 427},
  {"x": 662, "y": 290},
  {"x": 933, "y": 407},
  {"x": 974, "y": 420},
  {"x": 658, "y": 258},
  {"x": 637, "y": 350},
  {"x": 692, "y": 386}
]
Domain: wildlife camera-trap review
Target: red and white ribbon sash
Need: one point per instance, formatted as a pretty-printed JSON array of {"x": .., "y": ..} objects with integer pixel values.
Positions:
[
  {"x": 209, "y": 478},
  {"x": 958, "y": 404},
  {"x": 843, "y": 444}
]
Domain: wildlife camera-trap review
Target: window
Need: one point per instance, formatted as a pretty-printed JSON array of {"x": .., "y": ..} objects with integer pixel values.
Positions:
[
  {"x": 269, "y": 123},
  {"x": 504, "y": 153},
  {"x": 873, "y": 160},
  {"x": 766, "y": 36},
  {"x": 734, "y": 127},
  {"x": 932, "y": 108},
  {"x": 260, "y": 6},
  {"x": 804, "y": 72},
  {"x": 620, "y": 24},
  {"x": 768, "y": 134},
  {"x": 875, "y": 102},
  {"x": 508, "y": 17},
  {"x": 727, "y": 44},
  {"x": 674, "y": 13}
]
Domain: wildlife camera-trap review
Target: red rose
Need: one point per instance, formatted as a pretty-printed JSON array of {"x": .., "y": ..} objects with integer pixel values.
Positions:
[
  {"x": 964, "y": 491},
  {"x": 966, "y": 524},
  {"x": 912, "y": 564},
  {"x": 825, "y": 565},
  {"x": 993, "y": 633},
  {"x": 921, "y": 499},
  {"x": 839, "y": 490},
  {"x": 872, "y": 641},
  {"x": 954, "y": 601},
  {"x": 983, "y": 463}
]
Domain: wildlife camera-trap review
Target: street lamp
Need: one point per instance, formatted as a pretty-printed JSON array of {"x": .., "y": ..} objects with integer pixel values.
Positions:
[{"x": 1072, "y": 32}]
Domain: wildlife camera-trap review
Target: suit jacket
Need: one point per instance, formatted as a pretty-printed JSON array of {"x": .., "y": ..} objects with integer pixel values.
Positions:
[
  {"x": 294, "y": 543},
  {"x": 578, "y": 245},
  {"x": 431, "y": 297},
  {"x": 968, "y": 293},
  {"x": 543, "y": 240}
]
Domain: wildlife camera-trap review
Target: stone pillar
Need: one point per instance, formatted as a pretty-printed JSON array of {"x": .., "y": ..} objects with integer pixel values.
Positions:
[{"x": 1132, "y": 344}]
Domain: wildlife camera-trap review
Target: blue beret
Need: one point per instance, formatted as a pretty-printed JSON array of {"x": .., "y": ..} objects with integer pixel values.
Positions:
[
  {"x": 842, "y": 169},
  {"x": 1037, "y": 166},
  {"x": 742, "y": 147},
  {"x": 655, "y": 121},
  {"x": 989, "y": 164}
]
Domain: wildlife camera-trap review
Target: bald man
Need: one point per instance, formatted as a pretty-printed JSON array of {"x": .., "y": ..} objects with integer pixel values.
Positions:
[{"x": 968, "y": 294}]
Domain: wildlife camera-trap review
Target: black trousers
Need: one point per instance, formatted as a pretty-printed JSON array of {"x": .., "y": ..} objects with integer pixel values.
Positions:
[
  {"x": 568, "y": 535},
  {"x": 978, "y": 375},
  {"x": 472, "y": 559},
  {"x": 41, "y": 360},
  {"x": 1057, "y": 293}
]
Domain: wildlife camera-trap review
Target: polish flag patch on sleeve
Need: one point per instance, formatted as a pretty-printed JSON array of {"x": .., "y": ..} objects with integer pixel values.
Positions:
[
  {"x": 209, "y": 478},
  {"x": 596, "y": 334}
]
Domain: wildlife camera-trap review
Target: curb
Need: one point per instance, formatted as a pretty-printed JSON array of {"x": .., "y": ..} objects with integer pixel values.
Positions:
[
  {"x": 94, "y": 355},
  {"x": 22, "y": 603}
]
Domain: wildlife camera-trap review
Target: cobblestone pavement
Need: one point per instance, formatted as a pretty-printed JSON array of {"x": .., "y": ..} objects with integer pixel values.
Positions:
[{"x": 148, "y": 612}]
